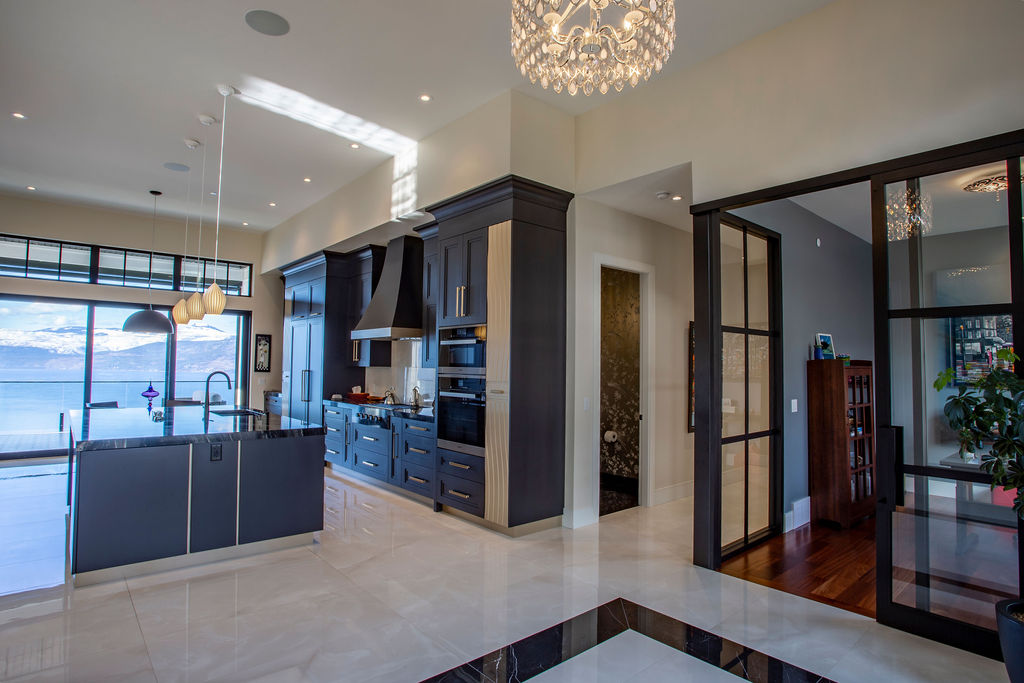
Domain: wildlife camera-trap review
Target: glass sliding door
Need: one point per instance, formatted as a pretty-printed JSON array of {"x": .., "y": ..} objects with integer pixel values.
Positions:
[
  {"x": 750, "y": 436},
  {"x": 948, "y": 260}
]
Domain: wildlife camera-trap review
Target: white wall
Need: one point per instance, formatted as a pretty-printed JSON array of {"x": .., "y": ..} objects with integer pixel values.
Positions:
[
  {"x": 596, "y": 232},
  {"x": 109, "y": 227},
  {"x": 855, "y": 82}
]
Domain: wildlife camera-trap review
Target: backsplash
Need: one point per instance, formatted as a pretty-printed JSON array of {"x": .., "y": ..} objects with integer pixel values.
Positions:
[{"x": 405, "y": 373}]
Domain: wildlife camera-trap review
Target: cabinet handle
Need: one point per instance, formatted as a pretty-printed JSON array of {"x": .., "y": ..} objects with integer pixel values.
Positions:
[
  {"x": 458, "y": 301},
  {"x": 417, "y": 480},
  {"x": 418, "y": 429},
  {"x": 333, "y": 429},
  {"x": 417, "y": 450},
  {"x": 464, "y": 496},
  {"x": 369, "y": 464},
  {"x": 497, "y": 391},
  {"x": 459, "y": 465},
  {"x": 369, "y": 438},
  {"x": 463, "y": 301},
  {"x": 355, "y": 351},
  {"x": 333, "y": 452},
  {"x": 333, "y": 412}
]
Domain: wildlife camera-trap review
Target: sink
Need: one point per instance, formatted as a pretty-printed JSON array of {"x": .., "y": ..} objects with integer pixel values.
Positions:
[{"x": 236, "y": 412}]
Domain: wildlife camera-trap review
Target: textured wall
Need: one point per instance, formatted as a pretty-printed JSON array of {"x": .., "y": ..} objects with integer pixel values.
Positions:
[{"x": 620, "y": 371}]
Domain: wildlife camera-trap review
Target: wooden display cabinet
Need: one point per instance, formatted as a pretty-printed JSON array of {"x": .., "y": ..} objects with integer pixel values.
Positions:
[{"x": 841, "y": 440}]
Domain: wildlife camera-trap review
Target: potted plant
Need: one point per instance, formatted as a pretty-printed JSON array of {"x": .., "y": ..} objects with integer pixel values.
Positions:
[{"x": 989, "y": 412}]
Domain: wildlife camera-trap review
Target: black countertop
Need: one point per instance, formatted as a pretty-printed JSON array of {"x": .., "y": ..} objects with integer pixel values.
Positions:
[
  {"x": 107, "y": 428},
  {"x": 407, "y": 412}
]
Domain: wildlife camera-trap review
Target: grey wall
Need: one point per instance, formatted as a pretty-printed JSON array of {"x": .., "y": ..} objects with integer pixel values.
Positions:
[{"x": 824, "y": 289}]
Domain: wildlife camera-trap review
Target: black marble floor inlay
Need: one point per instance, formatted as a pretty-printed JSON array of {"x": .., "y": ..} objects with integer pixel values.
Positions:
[{"x": 535, "y": 654}]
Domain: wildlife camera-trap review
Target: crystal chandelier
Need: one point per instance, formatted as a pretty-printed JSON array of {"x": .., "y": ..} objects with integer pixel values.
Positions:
[
  {"x": 614, "y": 43},
  {"x": 908, "y": 213}
]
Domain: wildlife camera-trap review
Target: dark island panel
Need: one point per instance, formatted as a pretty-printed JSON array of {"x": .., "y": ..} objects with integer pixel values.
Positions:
[
  {"x": 132, "y": 506},
  {"x": 214, "y": 496},
  {"x": 281, "y": 489}
]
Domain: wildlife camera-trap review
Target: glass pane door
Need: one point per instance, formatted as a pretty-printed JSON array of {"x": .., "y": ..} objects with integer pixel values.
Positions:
[
  {"x": 749, "y": 339},
  {"x": 124, "y": 363},
  {"x": 948, "y": 545}
]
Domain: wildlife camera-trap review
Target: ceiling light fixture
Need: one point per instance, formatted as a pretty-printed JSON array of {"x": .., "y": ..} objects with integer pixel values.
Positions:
[
  {"x": 307, "y": 180},
  {"x": 245, "y": 222},
  {"x": 354, "y": 145},
  {"x": 619, "y": 42},
  {"x": 908, "y": 212},
  {"x": 30, "y": 188},
  {"x": 271, "y": 203},
  {"x": 996, "y": 183},
  {"x": 194, "y": 304},
  {"x": 175, "y": 166},
  {"x": 147, "y": 320},
  {"x": 18, "y": 115},
  {"x": 180, "y": 310},
  {"x": 424, "y": 97},
  {"x": 677, "y": 197},
  {"x": 214, "y": 299}
]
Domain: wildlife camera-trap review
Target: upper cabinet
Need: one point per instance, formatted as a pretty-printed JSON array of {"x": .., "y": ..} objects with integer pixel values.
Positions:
[
  {"x": 431, "y": 287},
  {"x": 463, "y": 293},
  {"x": 306, "y": 300}
]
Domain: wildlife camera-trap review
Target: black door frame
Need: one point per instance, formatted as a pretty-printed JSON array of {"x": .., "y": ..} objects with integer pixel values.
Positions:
[{"x": 708, "y": 351}]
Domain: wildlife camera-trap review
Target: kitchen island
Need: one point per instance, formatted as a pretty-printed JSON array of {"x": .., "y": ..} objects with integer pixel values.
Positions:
[{"x": 171, "y": 488}]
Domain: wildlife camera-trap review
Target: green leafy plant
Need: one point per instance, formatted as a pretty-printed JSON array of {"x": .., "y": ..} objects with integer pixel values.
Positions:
[{"x": 989, "y": 411}]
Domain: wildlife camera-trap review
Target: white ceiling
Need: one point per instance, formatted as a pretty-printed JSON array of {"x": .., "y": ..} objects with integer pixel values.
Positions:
[
  {"x": 112, "y": 87},
  {"x": 639, "y": 196}
]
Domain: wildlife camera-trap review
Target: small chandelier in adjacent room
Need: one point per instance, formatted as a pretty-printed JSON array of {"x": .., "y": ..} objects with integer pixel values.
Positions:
[
  {"x": 592, "y": 44},
  {"x": 147, "y": 320},
  {"x": 996, "y": 183},
  {"x": 908, "y": 212}
]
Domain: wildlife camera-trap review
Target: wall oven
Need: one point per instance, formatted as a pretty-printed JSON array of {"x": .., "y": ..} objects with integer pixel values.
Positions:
[
  {"x": 462, "y": 351},
  {"x": 461, "y": 403}
]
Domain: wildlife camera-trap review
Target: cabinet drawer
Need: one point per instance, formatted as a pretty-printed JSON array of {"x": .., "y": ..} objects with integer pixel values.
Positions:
[
  {"x": 335, "y": 442},
  {"x": 371, "y": 438},
  {"x": 421, "y": 429},
  {"x": 462, "y": 494},
  {"x": 370, "y": 462},
  {"x": 335, "y": 431},
  {"x": 450, "y": 463},
  {"x": 418, "y": 479},
  {"x": 336, "y": 418},
  {"x": 417, "y": 451},
  {"x": 334, "y": 455}
]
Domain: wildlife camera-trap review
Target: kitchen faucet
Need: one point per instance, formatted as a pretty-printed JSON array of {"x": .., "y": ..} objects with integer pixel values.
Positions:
[{"x": 206, "y": 404}]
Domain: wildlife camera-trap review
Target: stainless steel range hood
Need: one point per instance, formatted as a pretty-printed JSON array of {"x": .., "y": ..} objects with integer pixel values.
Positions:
[{"x": 396, "y": 309}]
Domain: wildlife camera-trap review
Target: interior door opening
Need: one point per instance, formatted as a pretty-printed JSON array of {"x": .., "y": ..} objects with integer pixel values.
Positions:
[{"x": 620, "y": 416}]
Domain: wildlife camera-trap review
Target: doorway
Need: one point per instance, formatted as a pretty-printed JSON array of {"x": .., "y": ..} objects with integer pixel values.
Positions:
[{"x": 620, "y": 413}]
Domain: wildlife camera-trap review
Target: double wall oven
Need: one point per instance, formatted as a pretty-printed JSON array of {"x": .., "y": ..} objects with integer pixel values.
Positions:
[{"x": 461, "y": 391}]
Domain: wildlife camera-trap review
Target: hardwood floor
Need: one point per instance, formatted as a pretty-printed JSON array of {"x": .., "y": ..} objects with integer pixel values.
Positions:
[{"x": 818, "y": 562}]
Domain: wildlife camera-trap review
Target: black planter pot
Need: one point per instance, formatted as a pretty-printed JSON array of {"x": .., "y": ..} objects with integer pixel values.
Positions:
[{"x": 1011, "y": 638}]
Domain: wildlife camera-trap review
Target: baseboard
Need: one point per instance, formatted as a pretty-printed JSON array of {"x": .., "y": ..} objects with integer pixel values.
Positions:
[{"x": 667, "y": 494}]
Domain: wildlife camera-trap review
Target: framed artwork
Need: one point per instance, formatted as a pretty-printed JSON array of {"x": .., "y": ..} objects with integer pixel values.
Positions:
[
  {"x": 262, "y": 353},
  {"x": 824, "y": 339},
  {"x": 691, "y": 418}
]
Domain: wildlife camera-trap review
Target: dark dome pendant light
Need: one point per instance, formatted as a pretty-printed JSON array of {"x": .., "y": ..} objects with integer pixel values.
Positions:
[{"x": 147, "y": 320}]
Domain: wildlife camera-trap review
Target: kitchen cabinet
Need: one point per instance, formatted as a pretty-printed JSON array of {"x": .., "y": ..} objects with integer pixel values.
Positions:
[
  {"x": 213, "y": 496},
  {"x": 412, "y": 458},
  {"x": 305, "y": 365},
  {"x": 281, "y": 488},
  {"x": 431, "y": 284},
  {"x": 307, "y": 299},
  {"x": 463, "y": 272},
  {"x": 337, "y": 440}
]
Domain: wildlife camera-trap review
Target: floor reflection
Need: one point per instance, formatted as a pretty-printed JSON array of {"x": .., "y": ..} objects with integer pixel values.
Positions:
[{"x": 33, "y": 525}]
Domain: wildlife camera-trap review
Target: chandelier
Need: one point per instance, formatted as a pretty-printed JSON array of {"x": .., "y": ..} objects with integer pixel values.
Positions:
[
  {"x": 613, "y": 43},
  {"x": 996, "y": 183},
  {"x": 908, "y": 212}
]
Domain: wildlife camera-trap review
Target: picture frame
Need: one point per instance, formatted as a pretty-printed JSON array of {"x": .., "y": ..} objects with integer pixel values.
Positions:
[
  {"x": 824, "y": 340},
  {"x": 262, "y": 355}
]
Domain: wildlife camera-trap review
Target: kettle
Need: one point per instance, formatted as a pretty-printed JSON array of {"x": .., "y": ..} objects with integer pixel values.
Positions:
[{"x": 389, "y": 396}]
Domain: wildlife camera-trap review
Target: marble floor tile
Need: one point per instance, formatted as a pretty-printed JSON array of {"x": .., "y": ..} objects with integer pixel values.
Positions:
[{"x": 617, "y": 659}]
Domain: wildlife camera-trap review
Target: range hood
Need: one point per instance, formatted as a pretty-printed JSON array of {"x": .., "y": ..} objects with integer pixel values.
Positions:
[{"x": 396, "y": 308}]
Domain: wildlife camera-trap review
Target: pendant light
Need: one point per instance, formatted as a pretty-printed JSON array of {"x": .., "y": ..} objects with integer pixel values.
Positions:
[
  {"x": 194, "y": 306},
  {"x": 180, "y": 310},
  {"x": 214, "y": 299},
  {"x": 147, "y": 320}
]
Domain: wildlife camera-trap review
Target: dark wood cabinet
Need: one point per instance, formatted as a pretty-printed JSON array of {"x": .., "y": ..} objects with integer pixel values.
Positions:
[
  {"x": 431, "y": 286},
  {"x": 841, "y": 440},
  {"x": 281, "y": 488},
  {"x": 213, "y": 496},
  {"x": 463, "y": 291}
]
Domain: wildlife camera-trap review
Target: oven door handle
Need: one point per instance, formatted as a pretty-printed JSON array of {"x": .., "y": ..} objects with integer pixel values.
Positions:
[
  {"x": 459, "y": 342},
  {"x": 459, "y": 394}
]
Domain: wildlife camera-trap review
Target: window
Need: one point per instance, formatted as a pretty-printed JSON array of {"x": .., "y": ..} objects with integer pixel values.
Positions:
[
  {"x": 203, "y": 346},
  {"x": 72, "y": 262}
]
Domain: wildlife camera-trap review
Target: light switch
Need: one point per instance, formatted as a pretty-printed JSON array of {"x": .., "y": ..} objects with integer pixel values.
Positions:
[
  {"x": 792, "y": 406},
  {"x": 586, "y": 403}
]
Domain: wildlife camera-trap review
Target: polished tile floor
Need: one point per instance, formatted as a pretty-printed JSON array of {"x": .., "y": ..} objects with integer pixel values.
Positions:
[{"x": 395, "y": 592}]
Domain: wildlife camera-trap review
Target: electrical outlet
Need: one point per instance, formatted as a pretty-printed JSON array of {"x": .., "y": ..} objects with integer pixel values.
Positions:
[
  {"x": 792, "y": 406},
  {"x": 216, "y": 452}
]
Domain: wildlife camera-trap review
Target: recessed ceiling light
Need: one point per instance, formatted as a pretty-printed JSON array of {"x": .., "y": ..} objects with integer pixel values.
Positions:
[
  {"x": 307, "y": 180},
  {"x": 213, "y": 194},
  {"x": 17, "y": 115},
  {"x": 267, "y": 23},
  {"x": 663, "y": 195},
  {"x": 272, "y": 204},
  {"x": 424, "y": 97},
  {"x": 30, "y": 187},
  {"x": 354, "y": 145},
  {"x": 175, "y": 166},
  {"x": 245, "y": 222},
  {"x": 677, "y": 197}
]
